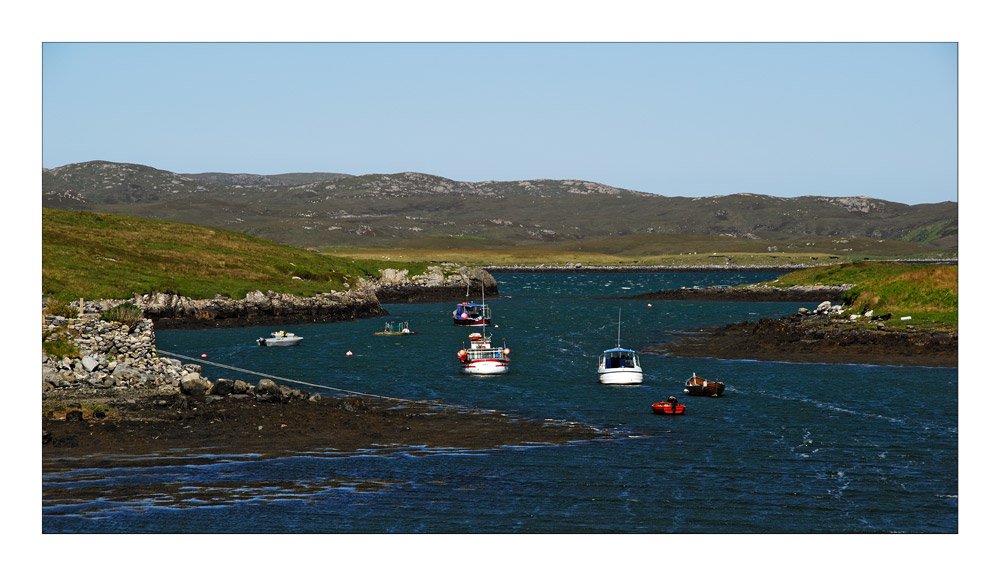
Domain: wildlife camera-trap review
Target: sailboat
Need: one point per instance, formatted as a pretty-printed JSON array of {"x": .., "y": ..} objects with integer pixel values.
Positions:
[
  {"x": 619, "y": 365},
  {"x": 472, "y": 313}
]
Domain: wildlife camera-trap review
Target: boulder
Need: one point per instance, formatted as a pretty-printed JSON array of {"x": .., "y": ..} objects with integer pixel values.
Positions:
[
  {"x": 89, "y": 363},
  {"x": 222, "y": 387},
  {"x": 194, "y": 385},
  {"x": 268, "y": 391}
]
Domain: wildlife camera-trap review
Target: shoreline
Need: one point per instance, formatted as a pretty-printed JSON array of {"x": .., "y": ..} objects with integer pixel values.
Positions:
[
  {"x": 755, "y": 293},
  {"x": 584, "y": 268},
  {"x": 814, "y": 340},
  {"x": 97, "y": 429}
]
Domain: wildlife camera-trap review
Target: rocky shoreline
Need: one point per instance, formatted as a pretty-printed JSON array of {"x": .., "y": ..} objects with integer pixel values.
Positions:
[
  {"x": 120, "y": 398},
  {"x": 562, "y": 269},
  {"x": 439, "y": 283},
  {"x": 812, "y": 337},
  {"x": 571, "y": 267},
  {"x": 129, "y": 428},
  {"x": 754, "y": 293}
]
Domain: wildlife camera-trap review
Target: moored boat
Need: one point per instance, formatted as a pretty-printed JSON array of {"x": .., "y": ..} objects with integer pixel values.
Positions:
[
  {"x": 471, "y": 314},
  {"x": 669, "y": 407},
  {"x": 698, "y": 386},
  {"x": 481, "y": 357},
  {"x": 619, "y": 365},
  {"x": 280, "y": 338}
]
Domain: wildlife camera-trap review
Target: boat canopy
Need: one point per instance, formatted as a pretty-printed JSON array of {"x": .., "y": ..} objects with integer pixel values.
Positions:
[{"x": 619, "y": 358}]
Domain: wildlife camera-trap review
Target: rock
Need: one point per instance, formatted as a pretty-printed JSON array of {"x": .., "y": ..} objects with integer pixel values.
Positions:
[
  {"x": 194, "y": 385},
  {"x": 222, "y": 387},
  {"x": 74, "y": 416},
  {"x": 268, "y": 391},
  {"x": 89, "y": 363}
]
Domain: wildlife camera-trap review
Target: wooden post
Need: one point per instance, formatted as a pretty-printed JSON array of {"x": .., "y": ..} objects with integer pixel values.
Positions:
[{"x": 81, "y": 306}]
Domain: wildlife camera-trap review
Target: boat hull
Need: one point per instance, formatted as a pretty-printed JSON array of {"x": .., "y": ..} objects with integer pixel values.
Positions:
[
  {"x": 667, "y": 409},
  {"x": 488, "y": 366},
  {"x": 469, "y": 322},
  {"x": 698, "y": 386},
  {"x": 620, "y": 377},
  {"x": 279, "y": 341}
]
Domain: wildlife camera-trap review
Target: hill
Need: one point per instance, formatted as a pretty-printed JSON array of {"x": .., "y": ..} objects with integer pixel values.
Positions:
[
  {"x": 331, "y": 209},
  {"x": 94, "y": 255}
]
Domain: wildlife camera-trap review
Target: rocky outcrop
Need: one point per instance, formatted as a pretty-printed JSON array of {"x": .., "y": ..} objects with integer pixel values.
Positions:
[
  {"x": 821, "y": 335},
  {"x": 176, "y": 311},
  {"x": 438, "y": 283},
  {"x": 753, "y": 293}
]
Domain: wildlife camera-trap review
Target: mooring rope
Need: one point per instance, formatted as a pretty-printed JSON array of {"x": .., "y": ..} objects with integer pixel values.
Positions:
[{"x": 354, "y": 392}]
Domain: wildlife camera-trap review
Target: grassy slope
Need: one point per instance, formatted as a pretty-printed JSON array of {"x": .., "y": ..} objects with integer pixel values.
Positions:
[
  {"x": 927, "y": 293},
  {"x": 91, "y": 255},
  {"x": 641, "y": 249}
]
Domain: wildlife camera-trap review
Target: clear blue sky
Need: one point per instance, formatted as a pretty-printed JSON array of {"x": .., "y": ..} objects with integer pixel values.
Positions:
[{"x": 696, "y": 119}]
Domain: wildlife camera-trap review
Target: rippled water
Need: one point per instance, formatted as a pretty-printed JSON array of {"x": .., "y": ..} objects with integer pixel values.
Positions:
[{"x": 790, "y": 448}]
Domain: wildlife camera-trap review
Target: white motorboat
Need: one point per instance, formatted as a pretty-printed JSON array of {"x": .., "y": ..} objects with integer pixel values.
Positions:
[
  {"x": 619, "y": 365},
  {"x": 481, "y": 357},
  {"x": 280, "y": 338}
]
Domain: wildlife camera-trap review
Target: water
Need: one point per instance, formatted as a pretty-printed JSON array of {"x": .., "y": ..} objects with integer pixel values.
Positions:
[{"x": 790, "y": 448}]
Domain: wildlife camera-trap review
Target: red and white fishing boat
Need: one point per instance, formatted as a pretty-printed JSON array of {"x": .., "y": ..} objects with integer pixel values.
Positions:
[{"x": 481, "y": 357}]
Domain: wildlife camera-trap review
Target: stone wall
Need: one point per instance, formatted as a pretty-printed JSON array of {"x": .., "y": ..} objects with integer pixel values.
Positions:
[{"x": 112, "y": 355}]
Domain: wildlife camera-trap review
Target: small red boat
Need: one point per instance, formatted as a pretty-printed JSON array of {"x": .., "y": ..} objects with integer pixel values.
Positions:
[{"x": 669, "y": 408}]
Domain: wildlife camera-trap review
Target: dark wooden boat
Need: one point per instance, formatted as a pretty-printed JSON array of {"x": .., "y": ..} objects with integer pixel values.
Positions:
[
  {"x": 668, "y": 408},
  {"x": 698, "y": 386}
]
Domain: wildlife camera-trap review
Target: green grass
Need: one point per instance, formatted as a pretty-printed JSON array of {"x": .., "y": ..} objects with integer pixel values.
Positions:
[
  {"x": 91, "y": 255},
  {"x": 640, "y": 250},
  {"x": 540, "y": 256},
  {"x": 926, "y": 293},
  {"x": 58, "y": 343}
]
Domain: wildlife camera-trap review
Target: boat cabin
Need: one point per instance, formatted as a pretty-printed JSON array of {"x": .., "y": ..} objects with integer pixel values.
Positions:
[
  {"x": 470, "y": 309},
  {"x": 619, "y": 358}
]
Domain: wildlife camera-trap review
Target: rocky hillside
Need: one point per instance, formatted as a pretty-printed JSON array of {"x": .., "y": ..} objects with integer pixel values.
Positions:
[{"x": 329, "y": 209}]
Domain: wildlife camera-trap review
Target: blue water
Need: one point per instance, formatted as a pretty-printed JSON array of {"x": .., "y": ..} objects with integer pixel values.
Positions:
[{"x": 790, "y": 448}]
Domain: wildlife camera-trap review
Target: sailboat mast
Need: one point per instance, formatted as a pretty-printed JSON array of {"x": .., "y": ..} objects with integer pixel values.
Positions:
[{"x": 619, "y": 327}]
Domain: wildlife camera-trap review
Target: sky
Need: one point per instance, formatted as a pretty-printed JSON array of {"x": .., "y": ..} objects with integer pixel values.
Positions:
[{"x": 673, "y": 118}]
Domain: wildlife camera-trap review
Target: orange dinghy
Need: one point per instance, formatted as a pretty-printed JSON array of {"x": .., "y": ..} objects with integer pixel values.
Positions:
[{"x": 668, "y": 408}]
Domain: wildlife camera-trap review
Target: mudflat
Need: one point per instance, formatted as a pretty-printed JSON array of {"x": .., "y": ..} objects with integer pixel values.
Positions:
[{"x": 97, "y": 430}]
